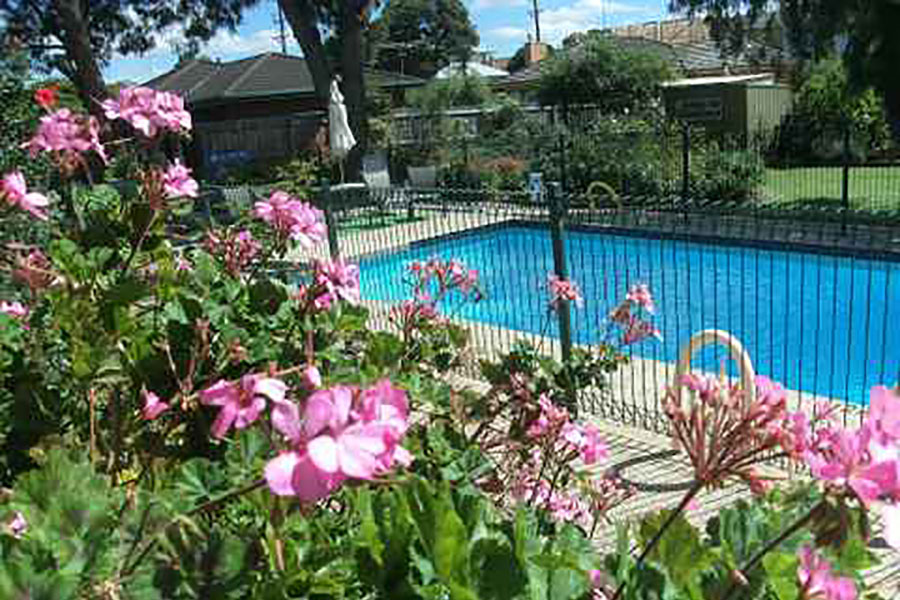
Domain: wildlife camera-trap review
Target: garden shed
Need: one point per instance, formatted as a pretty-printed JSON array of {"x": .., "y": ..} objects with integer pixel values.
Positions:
[{"x": 742, "y": 105}]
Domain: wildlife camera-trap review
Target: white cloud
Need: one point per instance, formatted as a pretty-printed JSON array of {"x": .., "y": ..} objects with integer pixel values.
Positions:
[
  {"x": 508, "y": 33},
  {"x": 487, "y": 4},
  {"x": 557, "y": 23},
  {"x": 226, "y": 44}
]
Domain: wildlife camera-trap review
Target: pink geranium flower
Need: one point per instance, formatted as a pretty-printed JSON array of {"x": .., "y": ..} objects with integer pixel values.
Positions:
[
  {"x": 236, "y": 250},
  {"x": 153, "y": 406},
  {"x": 16, "y": 310},
  {"x": 17, "y": 526},
  {"x": 638, "y": 330},
  {"x": 149, "y": 111},
  {"x": 339, "y": 279},
  {"x": 67, "y": 135},
  {"x": 842, "y": 458},
  {"x": 292, "y": 218},
  {"x": 177, "y": 181},
  {"x": 342, "y": 434},
  {"x": 639, "y": 293},
  {"x": 311, "y": 377},
  {"x": 562, "y": 290},
  {"x": 241, "y": 403},
  {"x": 817, "y": 582},
  {"x": 15, "y": 191}
]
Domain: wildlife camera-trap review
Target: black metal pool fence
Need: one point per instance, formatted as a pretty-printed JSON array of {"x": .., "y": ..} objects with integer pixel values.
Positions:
[{"x": 761, "y": 257}]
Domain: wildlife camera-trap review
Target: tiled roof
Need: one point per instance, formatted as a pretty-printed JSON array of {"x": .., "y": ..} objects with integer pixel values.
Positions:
[
  {"x": 269, "y": 74},
  {"x": 690, "y": 59}
]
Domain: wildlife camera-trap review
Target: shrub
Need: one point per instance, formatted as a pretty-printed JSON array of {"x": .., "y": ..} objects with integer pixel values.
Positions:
[
  {"x": 504, "y": 173},
  {"x": 731, "y": 176}
]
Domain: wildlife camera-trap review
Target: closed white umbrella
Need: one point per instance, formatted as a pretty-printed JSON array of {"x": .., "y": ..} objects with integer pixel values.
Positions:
[{"x": 340, "y": 137}]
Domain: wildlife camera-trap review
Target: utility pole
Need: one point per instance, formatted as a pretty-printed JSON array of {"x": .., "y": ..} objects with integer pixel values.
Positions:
[
  {"x": 282, "y": 34},
  {"x": 535, "y": 11}
]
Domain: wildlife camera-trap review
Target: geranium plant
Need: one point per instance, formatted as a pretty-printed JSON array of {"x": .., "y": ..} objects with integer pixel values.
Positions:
[{"x": 208, "y": 416}]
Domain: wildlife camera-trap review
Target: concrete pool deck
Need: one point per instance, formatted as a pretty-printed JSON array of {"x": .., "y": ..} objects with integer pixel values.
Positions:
[{"x": 630, "y": 416}]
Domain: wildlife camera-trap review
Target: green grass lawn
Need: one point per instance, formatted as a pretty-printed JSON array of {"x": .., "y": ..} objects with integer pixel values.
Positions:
[{"x": 870, "y": 187}]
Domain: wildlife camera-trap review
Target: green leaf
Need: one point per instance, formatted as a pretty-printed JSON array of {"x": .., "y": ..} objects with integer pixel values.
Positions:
[
  {"x": 368, "y": 530},
  {"x": 781, "y": 573},
  {"x": 680, "y": 550}
]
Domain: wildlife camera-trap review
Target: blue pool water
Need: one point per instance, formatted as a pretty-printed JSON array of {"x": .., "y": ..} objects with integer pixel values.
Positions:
[{"x": 820, "y": 323}]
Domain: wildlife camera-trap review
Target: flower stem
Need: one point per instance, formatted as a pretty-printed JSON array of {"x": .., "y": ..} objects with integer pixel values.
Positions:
[
  {"x": 754, "y": 560},
  {"x": 209, "y": 505},
  {"x": 688, "y": 496}
]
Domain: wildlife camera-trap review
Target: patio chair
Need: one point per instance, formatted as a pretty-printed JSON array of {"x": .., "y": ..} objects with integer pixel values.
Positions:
[
  {"x": 422, "y": 185},
  {"x": 377, "y": 176}
]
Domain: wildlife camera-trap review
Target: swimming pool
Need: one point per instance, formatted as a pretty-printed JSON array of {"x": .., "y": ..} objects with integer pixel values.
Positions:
[{"x": 820, "y": 323}]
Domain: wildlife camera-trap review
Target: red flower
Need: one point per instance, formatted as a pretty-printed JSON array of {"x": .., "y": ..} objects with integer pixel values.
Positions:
[{"x": 46, "y": 97}]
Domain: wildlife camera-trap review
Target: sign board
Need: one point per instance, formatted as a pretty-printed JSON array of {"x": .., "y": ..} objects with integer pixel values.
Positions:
[{"x": 701, "y": 108}]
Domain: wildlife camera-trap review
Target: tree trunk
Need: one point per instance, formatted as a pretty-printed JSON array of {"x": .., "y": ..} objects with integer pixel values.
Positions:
[
  {"x": 304, "y": 22},
  {"x": 86, "y": 74},
  {"x": 354, "y": 85}
]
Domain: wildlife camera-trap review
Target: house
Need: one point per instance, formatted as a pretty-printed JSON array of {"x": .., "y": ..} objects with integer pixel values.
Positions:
[
  {"x": 261, "y": 108},
  {"x": 479, "y": 69}
]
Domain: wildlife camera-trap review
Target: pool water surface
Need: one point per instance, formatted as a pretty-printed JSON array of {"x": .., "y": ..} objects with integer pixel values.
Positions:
[{"x": 819, "y": 323}]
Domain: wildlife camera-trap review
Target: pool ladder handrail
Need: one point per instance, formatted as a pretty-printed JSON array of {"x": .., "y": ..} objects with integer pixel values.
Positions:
[{"x": 738, "y": 353}]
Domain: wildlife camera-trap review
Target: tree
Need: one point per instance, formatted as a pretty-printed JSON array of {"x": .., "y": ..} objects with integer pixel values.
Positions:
[
  {"x": 864, "y": 32},
  {"x": 341, "y": 22},
  {"x": 596, "y": 70},
  {"x": 78, "y": 37},
  {"x": 418, "y": 37}
]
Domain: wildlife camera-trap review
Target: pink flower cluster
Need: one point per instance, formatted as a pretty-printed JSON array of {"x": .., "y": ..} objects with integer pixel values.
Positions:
[
  {"x": 235, "y": 250},
  {"x": 412, "y": 315},
  {"x": 555, "y": 431},
  {"x": 292, "y": 218},
  {"x": 177, "y": 181},
  {"x": 153, "y": 406},
  {"x": 626, "y": 315},
  {"x": 564, "y": 504},
  {"x": 724, "y": 434},
  {"x": 338, "y": 280},
  {"x": 17, "y": 527},
  {"x": 433, "y": 279},
  {"x": 241, "y": 404},
  {"x": 562, "y": 290},
  {"x": 67, "y": 135},
  {"x": 331, "y": 281},
  {"x": 14, "y": 190},
  {"x": 339, "y": 434},
  {"x": 863, "y": 463},
  {"x": 16, "y": 310},
  {"x": 817, "y": 582},
  {"x": 149, "y": 111}
]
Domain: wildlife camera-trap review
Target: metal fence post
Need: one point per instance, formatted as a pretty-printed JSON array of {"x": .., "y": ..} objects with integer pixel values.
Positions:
[
  {"x": 557, "y": 234},
  {"x": 561, "y": 151},
  {"x": 327, "y": 203},
  {"x": 845, "y": 180},
  {"x": 685, "y": 163}
]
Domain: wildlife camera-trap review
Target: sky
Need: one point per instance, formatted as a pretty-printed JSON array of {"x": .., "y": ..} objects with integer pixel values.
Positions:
[{"x": 503, "y": 26}]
